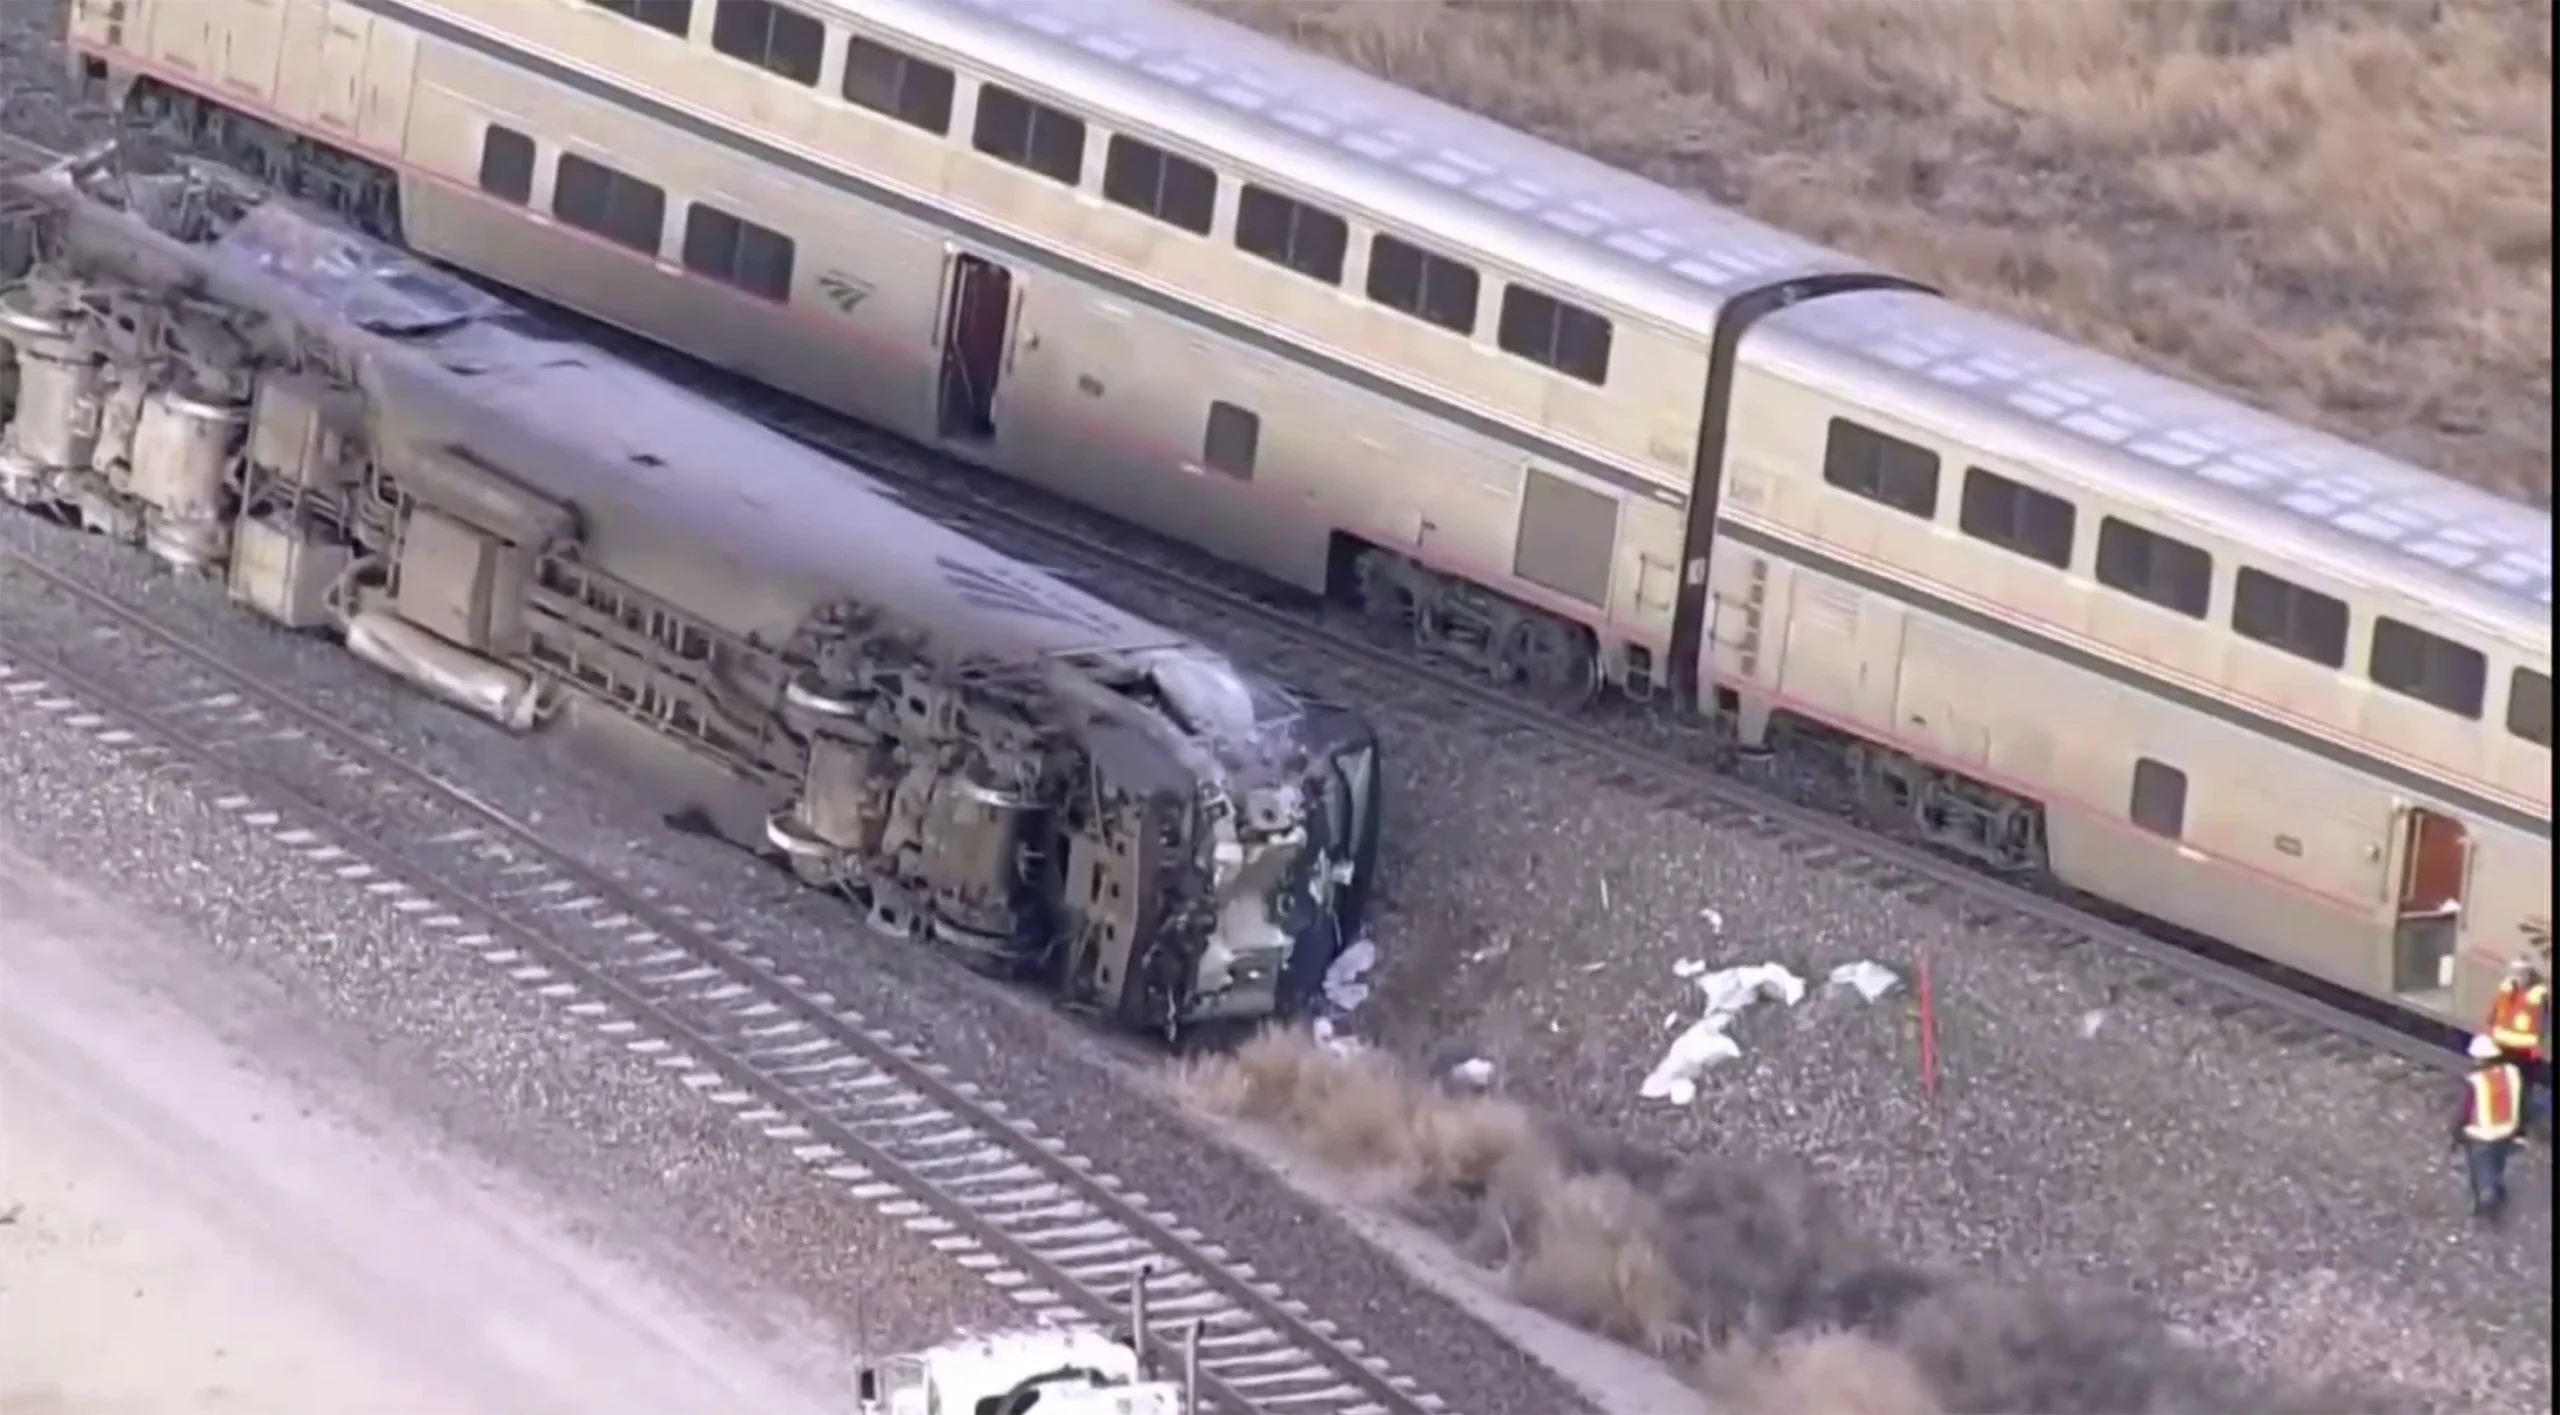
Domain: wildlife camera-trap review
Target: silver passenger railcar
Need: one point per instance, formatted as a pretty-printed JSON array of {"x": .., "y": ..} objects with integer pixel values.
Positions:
[
  {"x": 984, "y": 756},
  {"x": 1552, "y": 418}
]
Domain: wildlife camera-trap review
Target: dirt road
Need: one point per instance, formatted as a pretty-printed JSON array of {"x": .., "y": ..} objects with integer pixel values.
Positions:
[{"x": 191, "y": 1228}]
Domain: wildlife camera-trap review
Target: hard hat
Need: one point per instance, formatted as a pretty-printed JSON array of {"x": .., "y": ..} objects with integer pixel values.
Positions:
[
  {"x": 2483, "y": 1049},
  {"x": 2521, "y": 967}
]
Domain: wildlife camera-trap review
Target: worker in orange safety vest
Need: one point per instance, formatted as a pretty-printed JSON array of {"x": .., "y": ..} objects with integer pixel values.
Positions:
[
  {"x": 2485, "y": 1128},
  {"x": 2520, "y": 1023}
]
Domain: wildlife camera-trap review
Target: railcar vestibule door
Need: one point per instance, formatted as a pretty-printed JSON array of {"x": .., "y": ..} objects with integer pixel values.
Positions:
[
  {"x": 977, "y": 320},
  {"x": 2435, "y": 867}
]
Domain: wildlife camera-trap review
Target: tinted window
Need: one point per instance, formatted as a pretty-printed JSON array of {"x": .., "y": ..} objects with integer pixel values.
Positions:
[
  {"x": 1429, "y": 287},
  {"x": 1867, "y": 463},
  {"x": 1567, "y": 338},
  {"x": 738, "y": 252},
  {"x": 2151, "y": 566},
  {"x": 1165, "y": 185},
  {"x": 506, "y": 164},
  {"x": 902, "y": 86},
  {"x": 2432, "y": 669},
  {"x": 2159, "y": 802},
  {"x": 1232, "y": 441},
  {"x": 1012, "y": 128},
  {"x": 2017, "y": 517},
  {"x": 2529, "y": 706},
  {"x": 600, "y": 201},
  {"x": 1306, "y": 239},
  {"x": 2284, "y": 615},
  {"x": 774, "y": 38},
  {"x": 673, "y": 16}
]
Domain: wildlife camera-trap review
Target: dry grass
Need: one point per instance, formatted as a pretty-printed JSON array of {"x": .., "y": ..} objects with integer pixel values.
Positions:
[
  {"x": 1744, "y": 1276},
  {"x": 2338, "y": 210}
]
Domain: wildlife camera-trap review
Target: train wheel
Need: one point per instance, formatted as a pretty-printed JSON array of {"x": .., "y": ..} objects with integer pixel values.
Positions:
[{"x": 1553, "y": 660}]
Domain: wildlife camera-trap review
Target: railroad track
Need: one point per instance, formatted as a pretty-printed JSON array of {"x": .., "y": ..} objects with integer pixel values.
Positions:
[{"x": 985, "y": 1188}]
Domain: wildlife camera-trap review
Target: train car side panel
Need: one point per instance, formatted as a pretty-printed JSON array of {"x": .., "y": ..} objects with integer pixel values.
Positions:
[{"x": 861, "y": 297}]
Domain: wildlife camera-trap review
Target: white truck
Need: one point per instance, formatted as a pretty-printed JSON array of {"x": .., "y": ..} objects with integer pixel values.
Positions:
[{"x": 1048, "y": 1370}]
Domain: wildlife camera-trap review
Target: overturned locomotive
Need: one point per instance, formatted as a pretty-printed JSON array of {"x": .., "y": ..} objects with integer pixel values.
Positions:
[{"x": 535, "y": 530}]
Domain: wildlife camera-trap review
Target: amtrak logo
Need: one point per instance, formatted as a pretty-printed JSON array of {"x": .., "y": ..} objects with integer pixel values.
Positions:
[{"x": 843, "y": 291}]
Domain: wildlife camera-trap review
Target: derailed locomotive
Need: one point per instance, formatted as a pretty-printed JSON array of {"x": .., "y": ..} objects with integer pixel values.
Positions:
[{"x": 532, "y": 529}]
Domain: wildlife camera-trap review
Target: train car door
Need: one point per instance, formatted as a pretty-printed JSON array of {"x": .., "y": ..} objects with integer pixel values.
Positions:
[
  {"x": 977, "y": 324},
  {"x": 2435, "y": 867}
]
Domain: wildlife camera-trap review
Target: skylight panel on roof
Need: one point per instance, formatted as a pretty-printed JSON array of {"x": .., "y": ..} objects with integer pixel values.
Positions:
[
  {"x": 1373, "y": 145},
  {"x": 1568, "y": 220},
  {"x": 1507, "y": 195},
  {"x": 1629, "y": 243},
  {"x": 2095, "y": 425},
  {"x": 1431, "y": 170},
  {"x": 1704, "y": 270}
]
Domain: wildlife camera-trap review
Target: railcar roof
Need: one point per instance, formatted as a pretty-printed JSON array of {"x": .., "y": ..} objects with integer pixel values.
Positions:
[
  {"x": 2056, "y": 405},
  {"x": 1343, "y": 137}
]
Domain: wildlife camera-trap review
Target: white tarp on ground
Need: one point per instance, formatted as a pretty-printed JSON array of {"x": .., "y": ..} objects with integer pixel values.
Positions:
[
  {"x": 1729, "y": 991},
  {"x": 1344, "y": 992}
]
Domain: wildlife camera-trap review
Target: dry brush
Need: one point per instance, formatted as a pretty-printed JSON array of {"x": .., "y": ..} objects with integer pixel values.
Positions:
[{"x": 1745, "y": 1276}]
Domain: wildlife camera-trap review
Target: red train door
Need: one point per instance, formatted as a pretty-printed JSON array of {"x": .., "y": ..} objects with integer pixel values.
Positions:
[
  {"x": 976, "y": 322},
  {"x": 2435, "y": 865}
]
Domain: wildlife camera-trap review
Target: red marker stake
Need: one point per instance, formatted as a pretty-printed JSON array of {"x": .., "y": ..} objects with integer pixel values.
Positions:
[{"x": 1928, "y": 1030}]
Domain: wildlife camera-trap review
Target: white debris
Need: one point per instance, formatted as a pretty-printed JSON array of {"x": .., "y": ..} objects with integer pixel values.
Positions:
[
  {"x": 1343, "y": 990},
  {"x": 1474, "y": 1071},
  {"x": 1714, "y": 918},
  {"x": 1691, "y": 1053},
  {"x": 1705, "y": 1044},
  {"x": 1871, "y": 979},
  {"x": 1333, "y": 1039},
  {"x": 2091, "y": 1021},
  {"x": 1729, "y": 990},
  {"x": 1688, "y": 968}
]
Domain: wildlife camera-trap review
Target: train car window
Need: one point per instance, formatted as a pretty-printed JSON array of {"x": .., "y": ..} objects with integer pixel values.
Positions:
[
  {"x": 1165, "y": 185},
  {"x": 1232, "y": 440},
  {"x": 506, "y": 164},
  {"x": 1012, "y": 128},
  {"x": 738, "y": 252},
  {"x": 2284, "y": 615},
  {"x": 1567, "y": 338},
  {"x": 602, "y": 202},
  {"x": 1431, "y": 288},
  {"x": 2429, "y": 667},
  {"x": 1864, "y": 462},
  {"x": 672, "y": 16},
  {"x": 2159, "y": 802},
  {"x": 1291, "y": 234},
  {"x": 774, "y": 38},
  {"x": 2016, "y": 517},
  {"x": 901, "y": 86},
  {"x": 2150, "y": 566},
  {"x": 2529, "y": 706}
]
